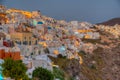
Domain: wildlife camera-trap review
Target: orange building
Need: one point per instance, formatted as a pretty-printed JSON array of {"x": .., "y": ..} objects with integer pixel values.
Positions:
[
  {"x": 2, "y": 53},
  {"x": 13, "y": 55}
]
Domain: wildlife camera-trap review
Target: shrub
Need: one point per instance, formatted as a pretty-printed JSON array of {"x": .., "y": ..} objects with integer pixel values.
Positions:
[{"x": 42, "y": 74}]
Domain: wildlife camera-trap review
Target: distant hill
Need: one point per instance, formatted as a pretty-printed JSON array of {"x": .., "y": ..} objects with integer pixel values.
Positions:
[{"x": 111, "y": 22}]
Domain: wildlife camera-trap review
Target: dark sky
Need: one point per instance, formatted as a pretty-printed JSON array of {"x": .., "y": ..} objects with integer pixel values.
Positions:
[
  {"x": 93, "y": 11},
  {"x": 1, "y": 1}
]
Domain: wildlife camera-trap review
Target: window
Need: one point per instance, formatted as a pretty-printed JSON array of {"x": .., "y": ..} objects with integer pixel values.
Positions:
[
  {"x": 29, "y": 42},
  {"x": 18, "y": 42},
  {"x": 36, "y": 42},
  {"x": 25, "y": 42}
]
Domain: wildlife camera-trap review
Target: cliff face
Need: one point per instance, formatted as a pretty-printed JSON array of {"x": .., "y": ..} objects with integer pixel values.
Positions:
[
  {"x": 102, "y": 65},
  {"x": 104, "y": 62},
  {"x": 111, "y": 22}
]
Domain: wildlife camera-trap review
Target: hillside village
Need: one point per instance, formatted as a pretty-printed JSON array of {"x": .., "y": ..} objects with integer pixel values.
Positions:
[{"x": 37, "y": 40}]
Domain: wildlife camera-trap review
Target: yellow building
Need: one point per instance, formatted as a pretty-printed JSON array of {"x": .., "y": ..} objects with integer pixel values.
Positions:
[
  {"x": 81, "y": 60},
  {"x": 77, "y": 43},
  {"x": 84, "y": 31},
  {"x": 26, "y": 13},
  {"x": 56, "y": 52},
  {"x": 44, "y": 44},
  {"x": 24, "y": 38},
  {"x": 87, "y": 36},
  {"x": 3, "y": 18},
  {"x": 35, "y": 14}
]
